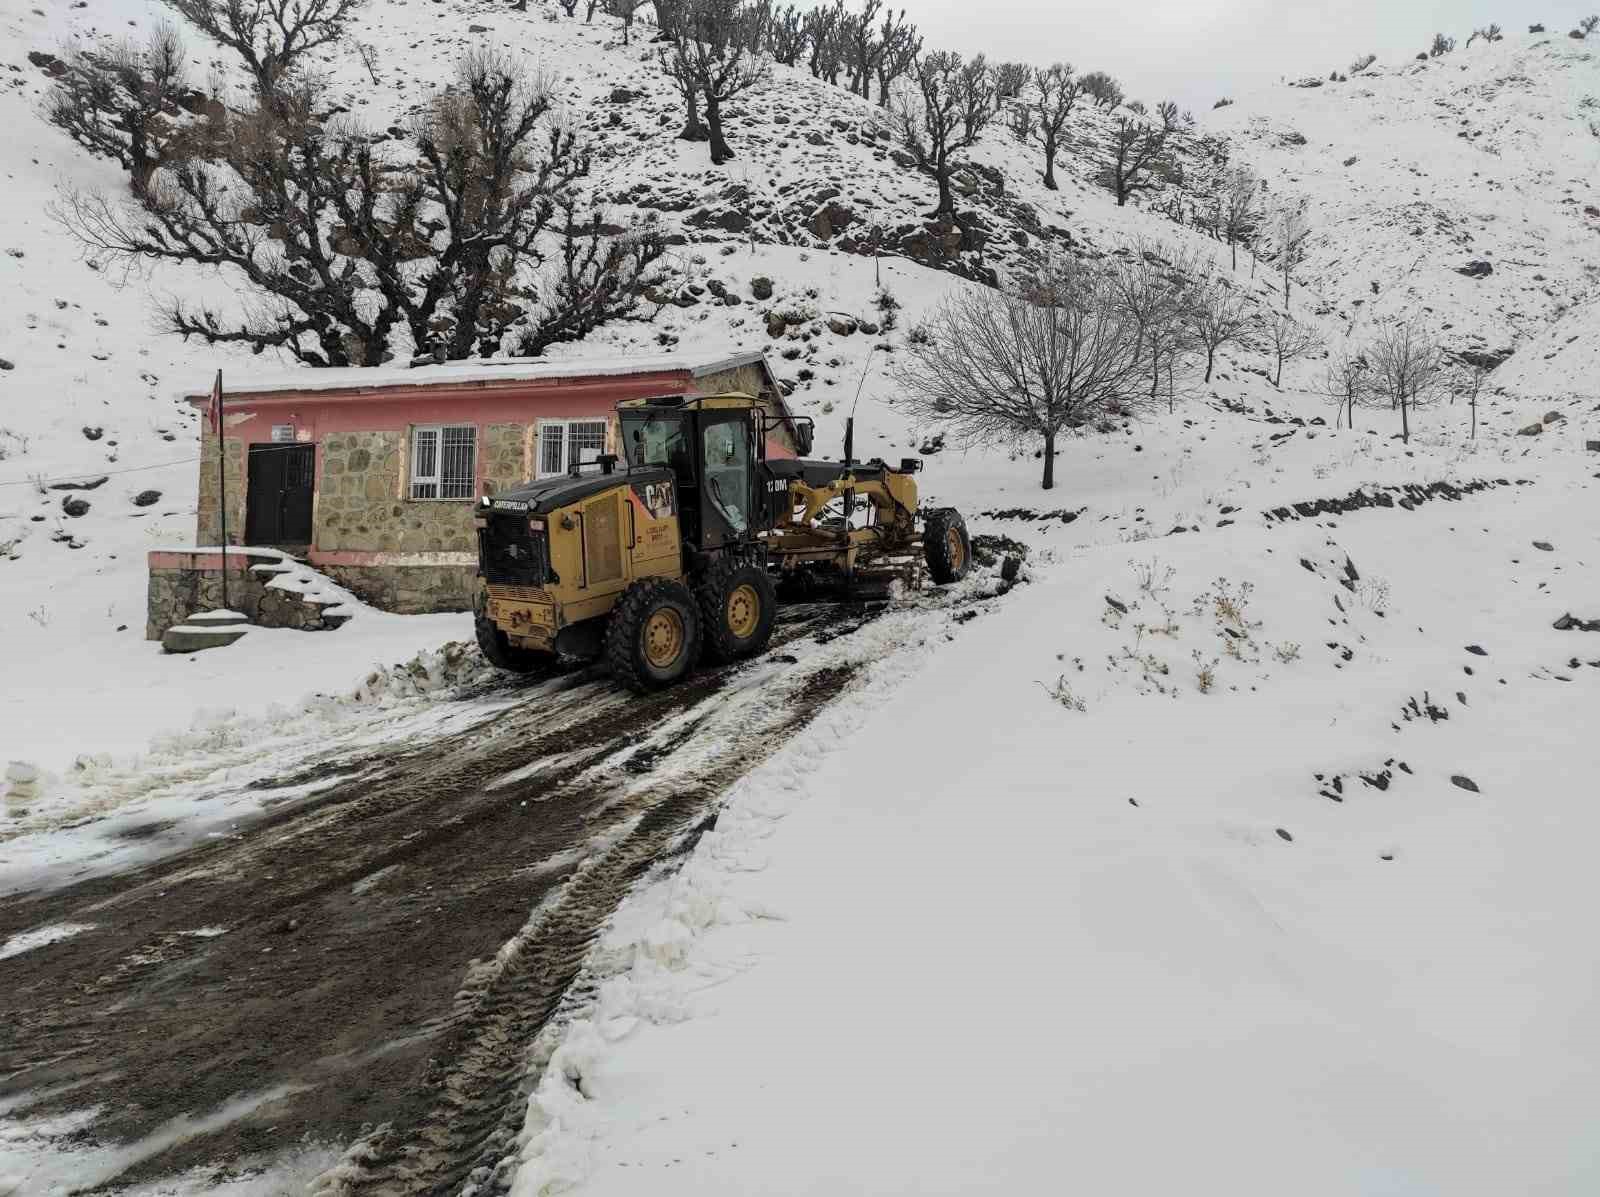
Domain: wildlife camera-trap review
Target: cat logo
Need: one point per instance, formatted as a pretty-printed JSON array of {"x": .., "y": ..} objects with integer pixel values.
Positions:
[{"x": 658, "y": 500}]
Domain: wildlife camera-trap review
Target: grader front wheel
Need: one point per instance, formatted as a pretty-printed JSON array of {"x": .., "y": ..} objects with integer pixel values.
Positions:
[
  {"x": 737, "y": 606},
  {"x": 653, "y": 635},
  {"x": 946, "y": 546}
]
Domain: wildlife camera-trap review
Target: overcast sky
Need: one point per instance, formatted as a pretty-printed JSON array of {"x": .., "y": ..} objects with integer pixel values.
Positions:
[{"x": 1196, "y": 50}]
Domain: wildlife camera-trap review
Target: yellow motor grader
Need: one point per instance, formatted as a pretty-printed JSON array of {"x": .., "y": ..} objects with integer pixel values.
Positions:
[{"x": 680, "y": 549}]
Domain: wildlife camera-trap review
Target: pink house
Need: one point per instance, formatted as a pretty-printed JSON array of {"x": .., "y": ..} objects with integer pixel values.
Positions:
[{"x": 371, "y": 474}]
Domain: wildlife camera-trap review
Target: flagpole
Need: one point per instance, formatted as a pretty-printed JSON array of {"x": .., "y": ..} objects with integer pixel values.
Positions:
[{"x": 222, "y": 488}]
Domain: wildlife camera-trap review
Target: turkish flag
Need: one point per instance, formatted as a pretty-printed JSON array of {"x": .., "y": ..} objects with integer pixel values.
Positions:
[{"x": 214, "y": 408}]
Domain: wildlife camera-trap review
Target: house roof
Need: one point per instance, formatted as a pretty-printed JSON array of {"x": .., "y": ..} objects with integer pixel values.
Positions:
[{"x": 373, "y": 378}]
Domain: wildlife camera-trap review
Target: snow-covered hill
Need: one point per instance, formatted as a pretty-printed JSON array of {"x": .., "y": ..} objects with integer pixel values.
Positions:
[{"x": 1461, "y": 189}]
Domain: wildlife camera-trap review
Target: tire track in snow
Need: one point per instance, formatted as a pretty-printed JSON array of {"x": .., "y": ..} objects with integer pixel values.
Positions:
[{"x": 352, "y": 916}]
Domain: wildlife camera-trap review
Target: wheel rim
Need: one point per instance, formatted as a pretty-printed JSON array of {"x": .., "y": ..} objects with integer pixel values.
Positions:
[
  {"x": 958, "y": 550},
  {"x": 744, "y": 611},
  {"x": 663, "y": 638}
]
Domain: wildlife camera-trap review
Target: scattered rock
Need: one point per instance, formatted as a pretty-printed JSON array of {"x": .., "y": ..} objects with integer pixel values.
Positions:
[
  {"x": 1531, "y": 430},
  {"x": 776, "y": 325},
  {"x": 74, "y": 506},
  {"x": 5, "y": 365},
  {"x": 841, "y": 326},
  {"x": 1550, "y": 417},
  {"x": 477, "y": 29},
  {"x": 147, "y": 498},
  {"x": 1544, "y": 545},
  {"x": 48, "y": 63},
  {"x": 761, "y": 287},
  {"x": 22, "y": 779},
  {"x": 623, "y": 95},
  {"x": 93, "y": 434},
  {"x": 1284, "y": 835},
  {"x": 1571, "y": 623},
  {"x": 1117, "y": 605},
  {"x": 1477, "y": 650},
  {"x": 1464, "y": 783},
  {"x": 1475, "y": 270}
]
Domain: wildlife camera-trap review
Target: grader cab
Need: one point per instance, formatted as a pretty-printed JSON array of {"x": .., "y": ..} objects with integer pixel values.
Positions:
[{"x": 679, "y": 548}]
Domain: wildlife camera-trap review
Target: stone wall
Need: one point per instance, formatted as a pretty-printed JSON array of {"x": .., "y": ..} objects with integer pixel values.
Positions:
[
  {"x": 409, "y": 589},
  {"x": 183, "y": 583},
  {"x": 208, "y": 527},
  {"x": 363, "y": 503}
]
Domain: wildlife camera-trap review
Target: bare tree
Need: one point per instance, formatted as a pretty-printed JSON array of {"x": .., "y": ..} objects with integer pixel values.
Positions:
[
  {"x": 1215, "y": 315},
  {"x": 1406, "y": 364},
  {"x": 786, "y": 36},
  {"x": 1476, "y": 373},
  {"x": 709, "y": 56},
  {"x": 270, "y": 36},
  {"x": 1588, "y": 25},
  {"x": 338, "y": 241},
  {"x": 1139, "y": 154},
  {"x": 1239, "y": 202},
  {"x": 758, "y": 27},
  {"x": 900, "y": 46},
  {"x": 826, "y": 30},
  {"x": 1442, "y": 45},
  {"x": 126, "y": 103},
  {"x": 1100, "y": 87},
  {"x": 1348, "y": 382},
  {"x": 625, "y": 11},
  {"x": 953, "y": 104},
  {"x": 1289, "y": 339},
  {"x": 863, "y": 47},
  {"x": 1009, "y": 80},
  {"x": 1057, "y": 90},
  {"x": 1048, "y": 357},
  {"x": 1020, "y": 120},
  {"x": 1291, "y": 225},
  {"x": 1151, "y": 283},
  {"x": 597, "y": 279}
]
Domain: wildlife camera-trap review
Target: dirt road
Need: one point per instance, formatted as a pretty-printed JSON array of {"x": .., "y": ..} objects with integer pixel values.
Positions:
[{"x": 381, "y": 951}]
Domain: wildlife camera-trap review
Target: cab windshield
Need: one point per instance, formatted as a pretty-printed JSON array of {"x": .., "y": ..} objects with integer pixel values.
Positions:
[{"x": 655, "y": 439}]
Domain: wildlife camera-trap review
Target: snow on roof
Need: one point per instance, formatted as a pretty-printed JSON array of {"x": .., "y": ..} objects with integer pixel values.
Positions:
[{"x": 370, "y": 377}]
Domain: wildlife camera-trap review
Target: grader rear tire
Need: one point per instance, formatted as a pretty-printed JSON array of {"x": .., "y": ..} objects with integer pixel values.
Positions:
[
  {"x": 653, "y": 635},
  {"x": 946, "y": 546},
  {"x": 502, "y": 654},
  {"x": 738, "y": 604}
]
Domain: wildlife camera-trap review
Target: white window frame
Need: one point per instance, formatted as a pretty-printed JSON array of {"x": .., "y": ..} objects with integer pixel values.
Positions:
[
  {"x": 564, "y": 458},
  {"x": 435, "y": 478}
]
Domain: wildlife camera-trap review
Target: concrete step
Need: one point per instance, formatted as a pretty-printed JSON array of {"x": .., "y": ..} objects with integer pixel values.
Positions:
[
  {"x": 194, "y": 638},
  {"x": 217, "y": 619}
]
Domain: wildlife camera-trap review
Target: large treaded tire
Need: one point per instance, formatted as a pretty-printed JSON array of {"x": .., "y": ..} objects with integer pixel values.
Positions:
[
  {"x": 946, "y": 545},
  {"x": 626, "y": 654},
  {"x": 497, "y": 649},
  {"x": 502, "y": 654},
  {"x": 720, "y": 640}
]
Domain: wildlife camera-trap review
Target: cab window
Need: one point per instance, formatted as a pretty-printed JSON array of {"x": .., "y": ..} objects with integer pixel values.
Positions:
[
  {"x": 727, "y": 456},
  {"x": 656, "y": 440}
]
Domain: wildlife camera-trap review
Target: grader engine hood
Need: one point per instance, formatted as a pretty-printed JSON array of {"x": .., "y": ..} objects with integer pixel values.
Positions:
[{"x": 569, "y": 531}]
